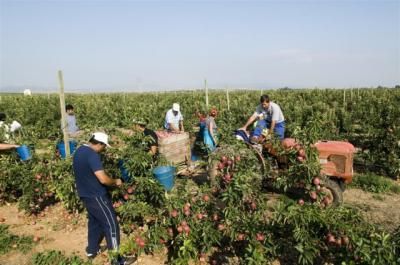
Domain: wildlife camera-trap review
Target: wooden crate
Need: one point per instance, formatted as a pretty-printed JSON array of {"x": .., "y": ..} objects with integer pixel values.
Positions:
[{"x": 175, "y": 148}]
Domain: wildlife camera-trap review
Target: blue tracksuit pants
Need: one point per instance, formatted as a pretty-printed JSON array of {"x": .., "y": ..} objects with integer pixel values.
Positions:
[{"x": 102, "y": 223}]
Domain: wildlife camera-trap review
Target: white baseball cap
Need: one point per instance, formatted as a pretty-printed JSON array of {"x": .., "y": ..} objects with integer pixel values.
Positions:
[
  {"x": 101, "y": 137},
  {"x": 175, "y": 107}
]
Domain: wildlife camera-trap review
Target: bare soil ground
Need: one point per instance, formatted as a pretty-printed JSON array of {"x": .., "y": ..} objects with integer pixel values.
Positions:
[{"x": 59, "y": 230}]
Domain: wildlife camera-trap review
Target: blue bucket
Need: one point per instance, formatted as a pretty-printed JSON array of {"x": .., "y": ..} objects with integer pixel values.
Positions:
[
  {"x": 194, "y": 156},
  {"x": 165, "y": 175},
  {"x": 23, "y": 152},
  {"x": 124, "y": 171},
  {"x": 61, "y": 147}
]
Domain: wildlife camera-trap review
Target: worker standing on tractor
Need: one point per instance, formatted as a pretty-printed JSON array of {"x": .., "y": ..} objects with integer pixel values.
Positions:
[
  {"x": 174, "y": 119},
  {"x": 140, "y": 125},
  {"x": 269, "y": 116},
  {"x": 91, "y": 181}
]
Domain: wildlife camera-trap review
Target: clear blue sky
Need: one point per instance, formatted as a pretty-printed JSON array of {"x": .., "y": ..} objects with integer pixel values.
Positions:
[{"x": 126, "y": 45}]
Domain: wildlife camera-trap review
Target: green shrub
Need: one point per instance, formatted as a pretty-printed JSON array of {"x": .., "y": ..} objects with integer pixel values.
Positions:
[{"x": 374, "y": 183}]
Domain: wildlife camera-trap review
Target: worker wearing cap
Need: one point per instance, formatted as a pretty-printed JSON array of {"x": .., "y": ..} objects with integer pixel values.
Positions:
[
  {"x": 4, "y": 133},
  {"x": 174, "y": 119},
  {"x": 140, "y": 125},
  {"x": 91, "y": 182}
]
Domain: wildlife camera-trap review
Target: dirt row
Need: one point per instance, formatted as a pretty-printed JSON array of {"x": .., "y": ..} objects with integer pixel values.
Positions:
[{"x": 59, "y": 230}]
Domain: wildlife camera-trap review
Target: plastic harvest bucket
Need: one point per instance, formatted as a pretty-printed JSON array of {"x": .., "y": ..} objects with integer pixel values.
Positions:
[
  {"x": 194, "y": 156},
  {"x": 61, "y": 147},
  {"x": 165, "y": 175},
  {"x": 23, "y": 152},
  {"x": 124, "y": 172}
]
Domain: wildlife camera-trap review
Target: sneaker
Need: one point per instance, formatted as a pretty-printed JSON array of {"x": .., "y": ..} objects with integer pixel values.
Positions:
[
  {"x": 92, "y": 255},
  {"x": 124, "y": 260}
]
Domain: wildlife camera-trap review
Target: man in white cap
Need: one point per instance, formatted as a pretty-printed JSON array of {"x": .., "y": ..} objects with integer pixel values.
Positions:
[
  {"x": 174, "y": 119},
  {"x": 91, "y": 182}
]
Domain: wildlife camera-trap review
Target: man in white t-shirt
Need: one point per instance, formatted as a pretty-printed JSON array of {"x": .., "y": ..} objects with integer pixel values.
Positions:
[
  {"x": 174, "y": 119},
  {"x": 270, "y": 116}
]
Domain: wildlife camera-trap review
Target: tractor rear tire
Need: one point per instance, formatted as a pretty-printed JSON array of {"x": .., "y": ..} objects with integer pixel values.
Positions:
[{"x": 335, "y": 190}]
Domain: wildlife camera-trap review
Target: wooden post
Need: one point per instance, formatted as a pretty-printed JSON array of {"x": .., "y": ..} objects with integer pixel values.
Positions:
[
  {"x": 344, "y": 97},
  {"x": 63, "y": 114},
  {"x": 206, "y": 88},
  {"x": 227, "y": 99},
  {"x": 351, "y": 94}
]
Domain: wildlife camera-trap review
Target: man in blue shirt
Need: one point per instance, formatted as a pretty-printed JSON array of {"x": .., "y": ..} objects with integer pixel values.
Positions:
[{"x": 91, "y": 182}]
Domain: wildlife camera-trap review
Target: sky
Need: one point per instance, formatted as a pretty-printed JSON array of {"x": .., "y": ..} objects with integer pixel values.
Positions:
[{"x": 172, "y": 45}]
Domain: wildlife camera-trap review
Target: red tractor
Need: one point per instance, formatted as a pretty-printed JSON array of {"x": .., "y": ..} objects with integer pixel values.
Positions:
[{"x": 335, "y": 157}]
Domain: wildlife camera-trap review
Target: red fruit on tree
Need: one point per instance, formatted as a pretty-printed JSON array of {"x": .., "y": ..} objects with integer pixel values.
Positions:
[
  {"x": 326, "y": 201},
  {"x": 229, "y": 162},
  {"x": 260, "y": 237},
  {"x": 199, "y": 216},
  {"x": 227, "y": 177},
  {"x": 38, "y": 176},
  {"x": 316, "y": 181},
  {"x": 37, "y": 189},
  {"x": 206, "y": 198},
  {"x": 253, "y": 206},
  {"x": 179, "y": 229},
  {"x": 224, "y": 159},
  {"x": 186, "y": 213},
  {"x": 331, "y": 239},
  {"x": 215, "y": 217},
  {"x": 170, "y": 231},
  {"x": 141, "y": 244},
  {"x": 221, "y": 227},
  {"x": 338, "y": 241},
  {"x": 237, "y": 158},
  {"x": 186, "y": 229},
  {"x": 300, "y": 159},
  {"x": 345, "y": 240},
  {"x": 184, "y": 223},
  {"x": 126, "y": 197},
  {"x": 313, "y": 195},
  {"x": 302, "y": 153},
  {"x": 174, "y": 213},
  {"x": 130, "y": 190},
  {"x": 301, "y": 202},
  {"x": 241, "y": 237},
  {"x": 221, "y": 166}
]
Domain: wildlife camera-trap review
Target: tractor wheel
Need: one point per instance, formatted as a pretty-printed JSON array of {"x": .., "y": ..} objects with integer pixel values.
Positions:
[
  {"x": 213, "y": 171},
  {"x": 334, "y": 194}
]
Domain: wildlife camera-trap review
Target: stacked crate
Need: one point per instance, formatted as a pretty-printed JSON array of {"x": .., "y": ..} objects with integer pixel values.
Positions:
[{"x": 174, "y": 147}]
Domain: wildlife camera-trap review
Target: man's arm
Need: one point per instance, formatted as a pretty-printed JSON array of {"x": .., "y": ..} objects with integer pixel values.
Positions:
[
  {"x": 181, "y": 126},
  {"x": 249, "y": 121},
  {"x": 172, "y": 127},
  {"x": 106, "y": 180},
  {"x": 153, "y": 149},
  {"x": 8, "y": 146},
  {"x": 271, "y": 130}
]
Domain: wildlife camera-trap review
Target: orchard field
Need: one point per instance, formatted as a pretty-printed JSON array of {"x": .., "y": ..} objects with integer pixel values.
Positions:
[{"x": 234, "y": 221}]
